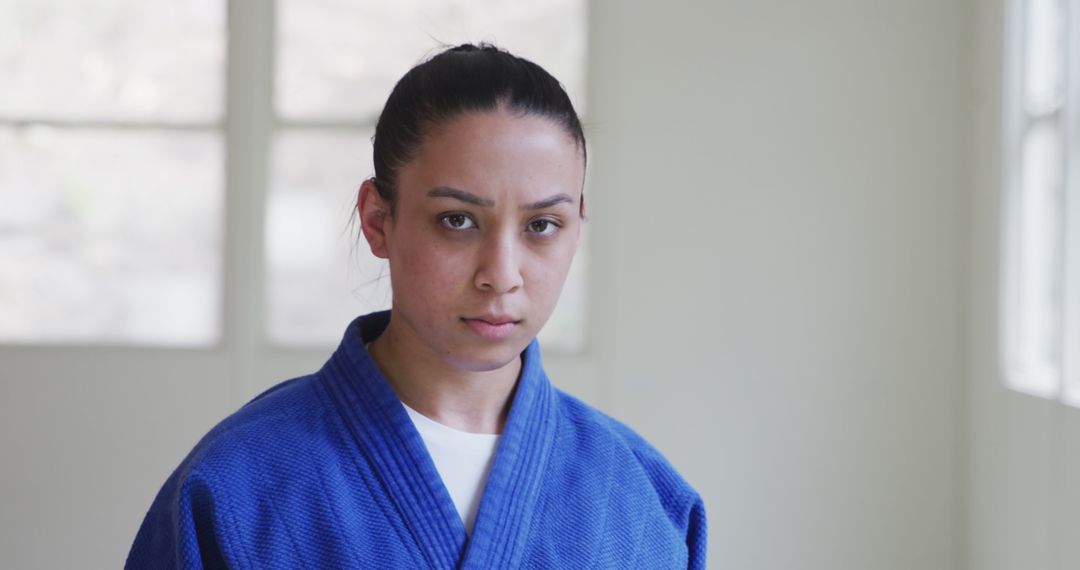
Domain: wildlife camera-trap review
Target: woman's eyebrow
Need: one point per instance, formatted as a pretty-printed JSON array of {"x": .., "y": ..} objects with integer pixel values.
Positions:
[
  {"x": 470, "y": 198},
  {"x": 467, "y": 197},
  {"x": 549, "y": 202}
]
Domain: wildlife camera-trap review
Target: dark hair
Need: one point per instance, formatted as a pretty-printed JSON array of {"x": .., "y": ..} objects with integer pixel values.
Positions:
[{"x": 461, "y": 79}]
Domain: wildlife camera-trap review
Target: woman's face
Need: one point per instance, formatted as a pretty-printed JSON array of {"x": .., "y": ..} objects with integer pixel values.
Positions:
[{"x": 487, "y": 220}]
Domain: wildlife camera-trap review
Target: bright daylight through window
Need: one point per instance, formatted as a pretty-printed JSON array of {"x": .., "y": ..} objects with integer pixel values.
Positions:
[
  {"x": 111, "y": 171},
  {"x": 1041, "y": 262}
]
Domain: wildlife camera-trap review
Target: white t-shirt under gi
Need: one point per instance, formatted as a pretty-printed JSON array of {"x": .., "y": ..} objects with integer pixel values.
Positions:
[{"x": 462, "y": 459}]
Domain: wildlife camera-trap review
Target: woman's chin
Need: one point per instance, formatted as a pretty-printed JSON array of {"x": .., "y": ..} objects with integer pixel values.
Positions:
[{"x": 488, "y": 358}]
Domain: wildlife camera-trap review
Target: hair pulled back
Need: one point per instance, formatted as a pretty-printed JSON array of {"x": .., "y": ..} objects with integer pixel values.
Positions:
[{"x": 462, "y": 79}]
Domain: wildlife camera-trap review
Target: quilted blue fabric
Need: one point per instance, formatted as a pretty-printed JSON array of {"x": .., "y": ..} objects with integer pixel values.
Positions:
[{"x": 327, "y": 471}]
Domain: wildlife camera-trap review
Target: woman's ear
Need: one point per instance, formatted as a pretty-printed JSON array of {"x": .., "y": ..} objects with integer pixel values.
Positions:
[{"x": 374, "y": 212}]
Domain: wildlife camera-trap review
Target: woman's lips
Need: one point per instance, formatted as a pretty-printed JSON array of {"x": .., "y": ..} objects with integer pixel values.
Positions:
[{"x": 495, "y": 329}]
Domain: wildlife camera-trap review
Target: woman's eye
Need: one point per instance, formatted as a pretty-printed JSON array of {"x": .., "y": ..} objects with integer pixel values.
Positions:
[
  {"x": 543, "y": 227},
  {"x": 457, "y": 222}
]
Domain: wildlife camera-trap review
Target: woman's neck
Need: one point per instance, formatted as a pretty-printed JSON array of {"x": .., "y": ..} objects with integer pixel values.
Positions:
[{"x": 467, "y": 400}]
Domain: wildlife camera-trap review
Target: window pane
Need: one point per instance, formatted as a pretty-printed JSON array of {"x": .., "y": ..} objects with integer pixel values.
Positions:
[
  {"x": 333, "y": 63},
  {"x": 1044, "y": 56},
  {"x": 320, "y": 274},
  {"x": 1036, "y": 310},
  {"x": 112, "y": 59},
  {"x": 110, "y": 236}
]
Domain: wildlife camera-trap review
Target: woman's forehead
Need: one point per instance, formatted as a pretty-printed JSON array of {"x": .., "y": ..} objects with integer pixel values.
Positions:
[
  {"x": 497, "y": 156},
  {"x": 498, "y": 133}
]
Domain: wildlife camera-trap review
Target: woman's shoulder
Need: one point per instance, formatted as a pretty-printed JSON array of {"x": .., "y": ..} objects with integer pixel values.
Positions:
[
  {"x": 631, "y": 486},
  {"x": 263, "y": 454},
  {"x": 598, "y": 434},
  {"x": 274, "y": 426}
]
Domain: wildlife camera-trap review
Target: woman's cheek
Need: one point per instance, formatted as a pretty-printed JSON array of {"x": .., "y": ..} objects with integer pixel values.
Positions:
[{"x": 445, "y": 270}]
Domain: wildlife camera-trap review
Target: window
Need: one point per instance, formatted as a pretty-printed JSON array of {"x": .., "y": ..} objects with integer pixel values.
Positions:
[
  {"x": 1041, "y": 269},
  {"x": 113, "y": 162},
  {"x": 111, "y": 171}
]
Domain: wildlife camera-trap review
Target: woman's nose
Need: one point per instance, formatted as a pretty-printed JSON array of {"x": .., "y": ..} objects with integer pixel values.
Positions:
[{"x": 499, "y": 269}]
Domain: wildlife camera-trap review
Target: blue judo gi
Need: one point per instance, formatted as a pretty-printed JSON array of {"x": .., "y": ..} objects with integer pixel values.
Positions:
[{"x": 328, "y": 471}]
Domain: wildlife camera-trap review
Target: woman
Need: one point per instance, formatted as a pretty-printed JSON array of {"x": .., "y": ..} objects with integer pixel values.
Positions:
[{"x": 432, "y": 438}]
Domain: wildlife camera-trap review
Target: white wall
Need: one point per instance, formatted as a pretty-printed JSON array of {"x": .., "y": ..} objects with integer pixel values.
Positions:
[
  {"x": 87, "y": 437},
  {"x": 1023, "y": 455},
  {"x": 776, "y": 189},
  {"x": 777, "y": 213}
]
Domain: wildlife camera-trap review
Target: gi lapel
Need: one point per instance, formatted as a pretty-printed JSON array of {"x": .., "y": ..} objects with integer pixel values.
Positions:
[
  {"x": 504, "y": 519},
  {"x": 390, "y": 444}
]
